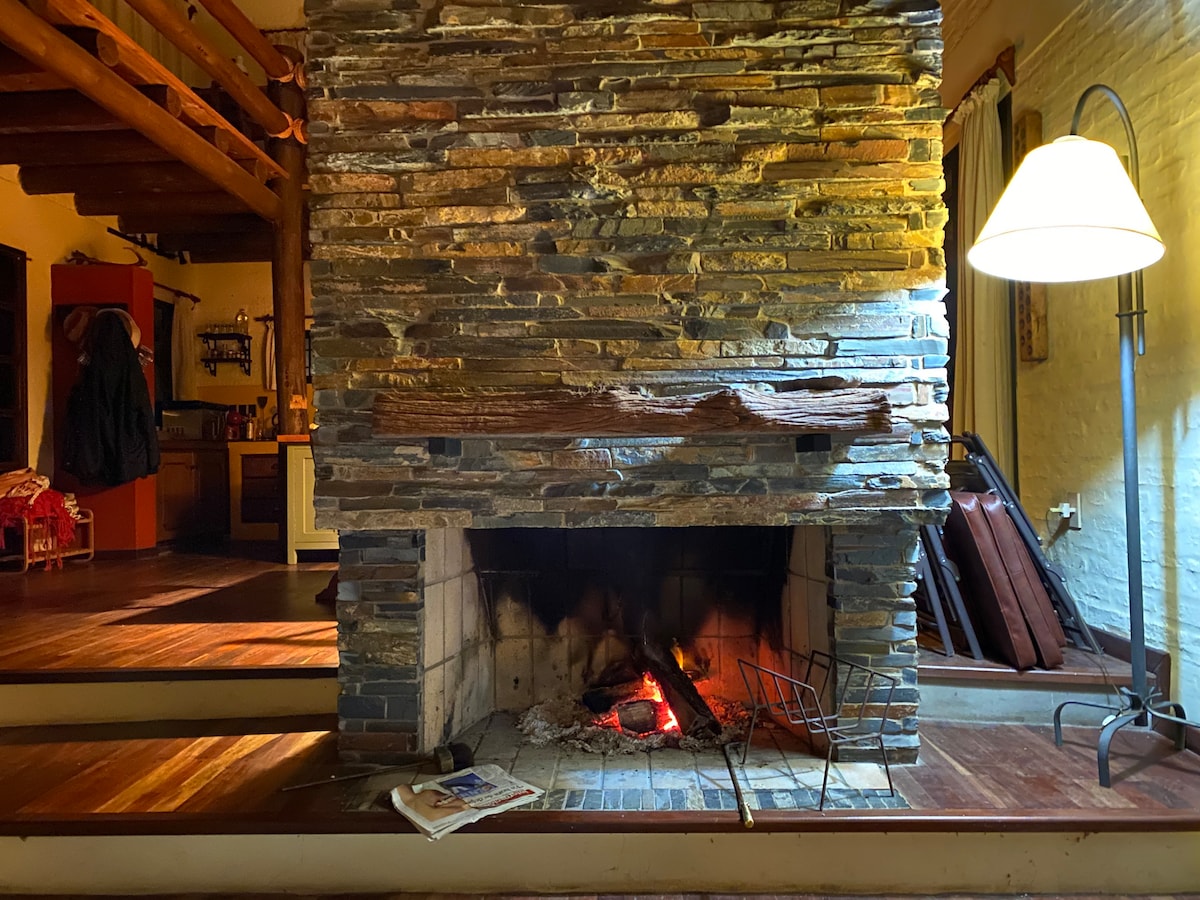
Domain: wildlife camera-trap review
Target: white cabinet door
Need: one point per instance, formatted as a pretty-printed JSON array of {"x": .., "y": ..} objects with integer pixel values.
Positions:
[{"x": 302, "y": 531}]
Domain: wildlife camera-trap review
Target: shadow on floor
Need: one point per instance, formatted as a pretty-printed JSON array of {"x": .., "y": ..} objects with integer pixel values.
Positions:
[{"x": 282, "y": 596}]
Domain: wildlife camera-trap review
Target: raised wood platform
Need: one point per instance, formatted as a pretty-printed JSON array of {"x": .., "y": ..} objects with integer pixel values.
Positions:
[
  {"x": 181, "y": 635},
  {"x": 199, "y": 807},
  {"x": 114, "y": 619}
]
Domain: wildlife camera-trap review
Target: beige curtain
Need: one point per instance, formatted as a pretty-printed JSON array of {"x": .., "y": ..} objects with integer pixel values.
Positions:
[
  {"x": 983, "y": 364},
  {"x": 184, "y": 353}
]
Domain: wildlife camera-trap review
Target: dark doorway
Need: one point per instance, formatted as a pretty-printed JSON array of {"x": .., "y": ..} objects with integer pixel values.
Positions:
[{"x": 14, "y": 424}]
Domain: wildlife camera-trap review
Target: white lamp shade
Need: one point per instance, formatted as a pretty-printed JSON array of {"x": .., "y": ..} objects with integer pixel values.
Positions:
[{"x": 1070, "y": 213}]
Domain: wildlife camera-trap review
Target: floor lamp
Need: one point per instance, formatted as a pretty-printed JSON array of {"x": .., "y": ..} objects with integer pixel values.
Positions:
[{"x": 1072, "y": 213}]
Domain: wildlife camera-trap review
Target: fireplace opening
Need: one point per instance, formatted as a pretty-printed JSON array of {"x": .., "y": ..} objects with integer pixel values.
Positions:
[{"x": 615, "y": 638}]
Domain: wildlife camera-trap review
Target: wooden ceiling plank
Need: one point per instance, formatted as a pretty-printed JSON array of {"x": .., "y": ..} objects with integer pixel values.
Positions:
[
  {"x": 215, "y": 203},
  {"x": 32, "y": 37},
  {"x": 138, "y": 177},
  {"x": 197, "y": 47},
  {"x": 169, "y": 222},
  {"x": 246, "y": 33},
  {"x": 139, "y": 67},
  {"x": 69, "y": 111},
  {"x": 56, "y": 150},
  {"x": 249, "y": 247}
]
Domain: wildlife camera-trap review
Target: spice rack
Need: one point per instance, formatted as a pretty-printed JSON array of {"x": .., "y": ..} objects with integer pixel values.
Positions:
[{"x": 225, "y": 347}]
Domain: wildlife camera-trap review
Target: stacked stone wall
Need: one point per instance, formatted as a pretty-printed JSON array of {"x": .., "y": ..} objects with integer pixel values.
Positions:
[{"x": 671, "y": 197}]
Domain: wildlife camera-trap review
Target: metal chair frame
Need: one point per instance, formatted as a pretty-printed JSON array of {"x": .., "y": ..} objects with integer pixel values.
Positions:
[{"x": 796, "y": 701}]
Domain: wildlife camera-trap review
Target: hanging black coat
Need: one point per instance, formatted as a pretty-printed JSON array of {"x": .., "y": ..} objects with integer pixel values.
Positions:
[{"x": 110, "y": 435}]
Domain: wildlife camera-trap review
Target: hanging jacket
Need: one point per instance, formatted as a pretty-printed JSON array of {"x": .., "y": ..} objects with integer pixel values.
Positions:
[{"x": 110, "y": 435}]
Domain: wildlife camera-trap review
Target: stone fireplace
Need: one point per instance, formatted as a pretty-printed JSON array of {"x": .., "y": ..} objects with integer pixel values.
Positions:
[{"x": 668, "y": 198}]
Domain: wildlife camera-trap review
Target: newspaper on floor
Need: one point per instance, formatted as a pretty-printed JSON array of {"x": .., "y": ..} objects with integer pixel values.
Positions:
[{"x": 448, "y": 802}]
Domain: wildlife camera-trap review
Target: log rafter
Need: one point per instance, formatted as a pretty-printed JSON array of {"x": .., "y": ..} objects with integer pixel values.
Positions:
[
  {"x": 625, "y": 413},
  {"x": 139, "y": 67},
  {"x": 37, "y": 40}
]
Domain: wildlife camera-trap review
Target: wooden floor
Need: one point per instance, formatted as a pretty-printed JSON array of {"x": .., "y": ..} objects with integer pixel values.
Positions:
[
  {"x": 175, "y": 610},
  {"x": 229, "y": 774}
]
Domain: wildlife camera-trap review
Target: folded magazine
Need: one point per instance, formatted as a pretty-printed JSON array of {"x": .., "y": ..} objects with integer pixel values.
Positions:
[{"x": 448, "y": 802}]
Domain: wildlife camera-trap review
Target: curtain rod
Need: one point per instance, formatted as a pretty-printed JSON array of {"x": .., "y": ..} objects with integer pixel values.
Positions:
[
  {"x": 1006, "y": 62},
  {"x": 182, "y": 295}
]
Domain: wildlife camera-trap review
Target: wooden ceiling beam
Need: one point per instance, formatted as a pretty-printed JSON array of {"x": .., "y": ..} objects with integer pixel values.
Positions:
[
  {"x": 103, "y": 147},
  {"x": 197, "y": 47},
  {"x": 214, "y": 203},
  {"x": 135, "y": 177},
  {"x": 169, "y": 222},
  {"x": 69, "y": 111},
  {"x": 36, "y": 40},
  {"x": 246, "y": 33},
  {"x": 139, "y": 67}
]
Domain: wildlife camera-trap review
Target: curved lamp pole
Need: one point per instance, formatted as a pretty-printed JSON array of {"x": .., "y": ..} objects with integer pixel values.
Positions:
[{"x": 1072, "y": 213}]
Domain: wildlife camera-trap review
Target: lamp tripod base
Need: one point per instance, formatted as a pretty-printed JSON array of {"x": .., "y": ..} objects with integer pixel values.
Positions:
[{"x": 1134, "y": 710}]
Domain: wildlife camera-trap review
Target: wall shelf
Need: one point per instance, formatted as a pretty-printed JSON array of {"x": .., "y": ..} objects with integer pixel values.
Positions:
[{"x": 225, "y": 347}]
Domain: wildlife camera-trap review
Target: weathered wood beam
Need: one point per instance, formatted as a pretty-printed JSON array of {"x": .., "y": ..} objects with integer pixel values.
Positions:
[
  {"x": 151, "y": 178},
  {"x": 215, "y": 203},
  {"x": 197, "y": 47},
  {"x": 69, "y": 111},
  {"x": 623, "y": 413},
  {"x": 139, "y": 67},
  {"x": 36, "y": 40},
  {"x": 100, "y": 147},
  {"x": 170, "y": 222},
  {"x": 247, "y": 34},
  {"x": 287, "y": 272}
]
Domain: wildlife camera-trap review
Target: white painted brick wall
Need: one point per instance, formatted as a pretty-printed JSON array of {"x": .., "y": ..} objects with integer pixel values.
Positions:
[{"x": 1069, "y": 406}]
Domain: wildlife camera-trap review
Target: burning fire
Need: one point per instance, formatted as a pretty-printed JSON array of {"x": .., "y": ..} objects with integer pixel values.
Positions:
[{"x": 652, "y": 691}]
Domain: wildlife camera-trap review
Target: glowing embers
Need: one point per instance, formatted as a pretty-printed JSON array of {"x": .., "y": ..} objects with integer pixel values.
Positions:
[{"x": 643, "y": 712}]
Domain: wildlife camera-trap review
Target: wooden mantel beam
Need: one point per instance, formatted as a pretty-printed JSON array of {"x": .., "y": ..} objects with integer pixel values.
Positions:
[
  {"x": 624, "y": 413},
  {"x": 39, "y": 42},
  {"x": 203, "y": 52}
]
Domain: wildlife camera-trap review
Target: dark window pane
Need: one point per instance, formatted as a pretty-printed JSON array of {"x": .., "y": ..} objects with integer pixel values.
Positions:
[
  {"x": 8, "y": 439},
  {"x": 8, "y": 387},
  {"x": 8, "y": 278},
  {"x": 8, "y": 331}
]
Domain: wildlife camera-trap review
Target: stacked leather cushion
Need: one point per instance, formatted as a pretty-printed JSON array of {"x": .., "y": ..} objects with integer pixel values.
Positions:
[{"x": 1004, "y": 595}]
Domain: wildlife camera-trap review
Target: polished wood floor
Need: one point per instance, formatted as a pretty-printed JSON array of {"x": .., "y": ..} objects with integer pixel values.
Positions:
[
  {"x": 175, "y": 610},
  {"x": 225, "y": 774}
]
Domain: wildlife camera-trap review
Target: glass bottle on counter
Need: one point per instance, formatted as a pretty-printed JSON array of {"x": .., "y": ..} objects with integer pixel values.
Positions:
[{"x": 241, "y": 322}]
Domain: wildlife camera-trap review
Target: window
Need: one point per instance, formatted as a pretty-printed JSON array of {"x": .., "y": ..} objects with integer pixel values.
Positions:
[{"x": 14, "y": 425}]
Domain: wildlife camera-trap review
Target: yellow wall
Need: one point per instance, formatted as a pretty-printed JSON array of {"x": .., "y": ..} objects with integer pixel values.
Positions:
[
  {"x": 48, "y": 229},
  {"x": 224, "y": 289},
  {"x": 1068, "y": 408}
]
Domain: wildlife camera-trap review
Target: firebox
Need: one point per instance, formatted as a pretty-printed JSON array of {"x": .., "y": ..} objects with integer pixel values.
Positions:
[
  {"x": 526, "y": 616},
  {"x": 616, "y": 307}
]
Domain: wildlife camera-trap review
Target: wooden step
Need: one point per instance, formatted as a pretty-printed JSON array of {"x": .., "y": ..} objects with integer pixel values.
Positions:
[{"x": 82, "y": 696}]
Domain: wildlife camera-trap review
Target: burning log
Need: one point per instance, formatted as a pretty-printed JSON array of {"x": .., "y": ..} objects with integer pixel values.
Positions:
[
  {"x": 692, "y": 712},
  {"x": 603, "y": 697},
  {"x": 638, "y": 716}
]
